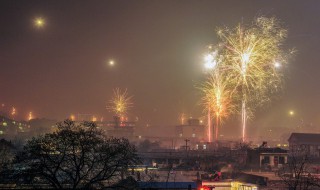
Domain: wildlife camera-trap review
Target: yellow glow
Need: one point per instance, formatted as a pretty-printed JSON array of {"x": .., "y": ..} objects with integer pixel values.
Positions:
[
  {"x": 72, "y": 117},
  {"x": 277, "y": 64},
  {"x": 217, "y": 99},
  {"x": 39, "y": 22},
  {"x": 248, "y": 64},
  {"x": 182, "y": 118},
  {"x": 94, "y": 119},
  {"x": 120, "y": 103},
  {"x": 245, "y": 57},
  {"x": 111, "y": 62},
  {"x": 291, "y": 113},
  {"x": 30, "y": 116},
  {"x": 13, "y": 111}
]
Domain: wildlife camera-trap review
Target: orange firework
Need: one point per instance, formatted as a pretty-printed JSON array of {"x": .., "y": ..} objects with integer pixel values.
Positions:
[{"x": 217, "y": 100}]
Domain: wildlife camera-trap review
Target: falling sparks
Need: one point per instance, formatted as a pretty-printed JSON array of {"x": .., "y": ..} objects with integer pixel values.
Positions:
[
  {"x": 182, "y": 118},
  {"x": 30, "y": 116},
  {"x": 120, "y": 103},
  {"x": 248, "y": 63},
  {"x": 13, "y": 111},
  {"x": 216, "y": 100}
]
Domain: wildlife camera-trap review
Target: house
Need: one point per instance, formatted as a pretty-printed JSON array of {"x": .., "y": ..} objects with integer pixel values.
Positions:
[
  {"x": 168, "y": 185},
  {"x": 192, "y": 130},
  {"x": 308, "y": 143},
  {"x": 266, "y": 158}
]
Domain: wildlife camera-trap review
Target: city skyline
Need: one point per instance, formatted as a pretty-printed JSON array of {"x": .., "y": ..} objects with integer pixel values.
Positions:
[{"x": 70, "y": 60}]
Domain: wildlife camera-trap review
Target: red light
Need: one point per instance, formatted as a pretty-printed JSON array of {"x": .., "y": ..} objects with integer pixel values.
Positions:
[{"x": 204, "y": 188}]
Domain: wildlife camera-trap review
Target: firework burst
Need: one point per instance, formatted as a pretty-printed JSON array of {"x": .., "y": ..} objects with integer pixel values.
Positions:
[
  {"x": 120, "y": 103},
  {"x": 252, "y": 56},
  {"x": 217, "y": 100}
]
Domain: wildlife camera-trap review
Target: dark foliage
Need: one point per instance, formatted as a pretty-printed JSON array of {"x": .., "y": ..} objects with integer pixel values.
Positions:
[{"x": 75, "y": 156}]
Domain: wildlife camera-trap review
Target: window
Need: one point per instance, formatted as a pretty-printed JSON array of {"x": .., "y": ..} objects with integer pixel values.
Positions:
[
  {"x": 266, "y": 160},
  {"x": 281, "y": 160}
]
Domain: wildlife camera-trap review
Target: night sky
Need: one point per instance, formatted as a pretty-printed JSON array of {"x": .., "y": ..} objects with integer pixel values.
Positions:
[{"x": 158, "y": 48}]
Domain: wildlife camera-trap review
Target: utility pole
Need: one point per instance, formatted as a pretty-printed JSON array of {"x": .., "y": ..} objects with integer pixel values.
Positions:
[{"x": 187, "y": 140}]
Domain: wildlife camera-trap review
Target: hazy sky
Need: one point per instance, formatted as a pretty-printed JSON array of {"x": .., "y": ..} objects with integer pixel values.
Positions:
[{"x": 158, "y": 47}]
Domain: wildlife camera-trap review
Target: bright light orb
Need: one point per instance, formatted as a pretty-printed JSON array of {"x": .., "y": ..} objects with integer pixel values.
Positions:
[
  {"x": 291, "y": 113},
  {"x": 208, "y": 58},
  {"x": 111, "y": 62},
  {"x": 277, "y": 64},
  {"x": 210, "y": 65},
  {"x": 209, "y": 61},
  {"x": 39, "y": 22},
  {"x": 245, "y": 57}
]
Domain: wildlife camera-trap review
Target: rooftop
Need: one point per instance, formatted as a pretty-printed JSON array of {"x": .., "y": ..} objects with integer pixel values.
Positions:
[{"x": 309, "y": 138}]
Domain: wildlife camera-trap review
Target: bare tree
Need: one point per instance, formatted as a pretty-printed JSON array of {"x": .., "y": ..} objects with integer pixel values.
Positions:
[
  {"x": 76, "y": 156},
  {"x": 296, "y": 174}
]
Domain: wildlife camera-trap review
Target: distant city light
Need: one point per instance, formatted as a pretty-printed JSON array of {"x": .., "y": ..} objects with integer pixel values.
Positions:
[
  {"x": 72, "y": 117},
  {"x": 13, "y": 111}
]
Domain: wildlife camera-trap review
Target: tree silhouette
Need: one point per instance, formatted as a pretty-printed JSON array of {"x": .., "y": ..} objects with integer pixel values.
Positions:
[
  {"x": 76, "y": 156},
  {"x": 297, "y": 173}
]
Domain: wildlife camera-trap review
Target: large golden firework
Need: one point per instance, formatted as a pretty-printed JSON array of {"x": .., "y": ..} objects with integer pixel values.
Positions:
[
  {"x": 252, "y": 58},
  {"x": 120, "y": 103}
]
